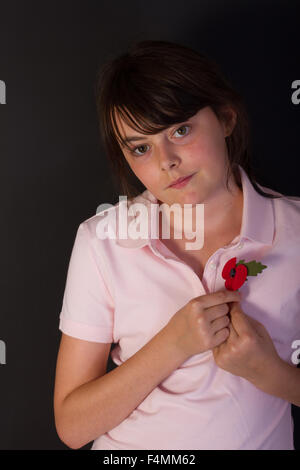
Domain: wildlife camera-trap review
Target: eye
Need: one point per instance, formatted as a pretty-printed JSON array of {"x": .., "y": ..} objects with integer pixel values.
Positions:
[
  {"x": 133, "y": 151},
  {"x": 182, "y": 127}
]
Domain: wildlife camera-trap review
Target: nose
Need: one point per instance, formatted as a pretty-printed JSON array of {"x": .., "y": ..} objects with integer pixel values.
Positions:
[{"x": 167, "y": 157}]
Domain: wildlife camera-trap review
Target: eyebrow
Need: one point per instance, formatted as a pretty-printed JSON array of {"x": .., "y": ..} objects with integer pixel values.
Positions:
[{"x": 133, "y": 138}]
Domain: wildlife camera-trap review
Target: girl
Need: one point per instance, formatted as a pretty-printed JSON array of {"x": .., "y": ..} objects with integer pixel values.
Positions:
[{"x": 201, "y": 364}]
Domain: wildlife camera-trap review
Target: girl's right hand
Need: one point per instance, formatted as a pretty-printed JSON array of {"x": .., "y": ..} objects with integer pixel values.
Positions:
[{"x": 202, "y": 323}]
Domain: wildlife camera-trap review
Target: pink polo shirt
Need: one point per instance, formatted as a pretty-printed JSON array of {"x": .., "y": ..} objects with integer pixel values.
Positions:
[{"x": 125, "y": 291}]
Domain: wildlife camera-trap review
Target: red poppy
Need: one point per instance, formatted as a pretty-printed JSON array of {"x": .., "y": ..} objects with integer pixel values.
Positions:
[{"x": 235, "y": 275}]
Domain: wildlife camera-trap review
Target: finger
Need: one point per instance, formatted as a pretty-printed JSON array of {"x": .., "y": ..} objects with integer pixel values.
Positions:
[
  {"x": 217, "y": 298},
  {"x": 239, "y": 319},
  {"x": 232, "y": 332},
  {"x": 220, "y": 337},
  {"x": 219, "y": 323},
  {"x": 215, "y": 312}
]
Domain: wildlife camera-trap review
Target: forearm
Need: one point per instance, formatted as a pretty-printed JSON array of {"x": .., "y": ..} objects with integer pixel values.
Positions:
[
  {"x": 282, "y": 380},
  {"x": 100, "y": 405}
]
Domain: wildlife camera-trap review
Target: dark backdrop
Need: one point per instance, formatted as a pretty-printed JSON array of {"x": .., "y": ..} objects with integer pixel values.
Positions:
[{"x": 54, "y": 172}]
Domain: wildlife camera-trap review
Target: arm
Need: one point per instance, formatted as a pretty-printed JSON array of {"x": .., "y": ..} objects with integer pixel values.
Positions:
[
  {"x": 249, "y": 352},
  {"x": 99, "y": 405},
  {"x": 88, "y": 402},
  {"x": 282, "y": 380}
]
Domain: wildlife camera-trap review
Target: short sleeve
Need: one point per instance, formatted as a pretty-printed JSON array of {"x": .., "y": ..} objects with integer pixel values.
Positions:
[{"x": 88, "y": 308}]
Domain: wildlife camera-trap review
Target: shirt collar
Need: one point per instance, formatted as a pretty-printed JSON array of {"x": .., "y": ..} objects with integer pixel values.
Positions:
[{"x": 257, "y": 220}]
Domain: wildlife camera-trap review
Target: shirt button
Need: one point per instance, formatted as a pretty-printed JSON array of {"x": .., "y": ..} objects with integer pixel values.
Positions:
[
  {"x": 240, "y": 245},
  {"x": 212, "y": 265}
]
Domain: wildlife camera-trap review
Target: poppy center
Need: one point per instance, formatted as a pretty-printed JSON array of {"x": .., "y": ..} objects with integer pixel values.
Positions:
[{"x": 232, "y": 272}]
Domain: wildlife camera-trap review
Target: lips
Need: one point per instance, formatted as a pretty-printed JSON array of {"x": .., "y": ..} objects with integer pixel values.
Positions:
[{"x": 183, "y": 178}]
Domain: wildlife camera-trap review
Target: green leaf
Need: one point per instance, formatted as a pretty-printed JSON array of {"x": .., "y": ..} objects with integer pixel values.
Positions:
[{"x": 254, "y": 267}]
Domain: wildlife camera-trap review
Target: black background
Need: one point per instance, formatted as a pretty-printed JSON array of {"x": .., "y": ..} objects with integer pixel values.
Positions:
[{"x": 54, "y": 172}]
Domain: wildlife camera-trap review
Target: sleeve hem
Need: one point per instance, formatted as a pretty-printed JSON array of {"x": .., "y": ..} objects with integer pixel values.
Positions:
[{"x": 86, "y": 332}]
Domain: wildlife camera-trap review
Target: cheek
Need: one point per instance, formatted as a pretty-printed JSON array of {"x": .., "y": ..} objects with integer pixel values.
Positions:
[
  {"x": 197, "y": 153},
  {"x": 144, "y": 173},
  {"x": 207, "y": 150}
]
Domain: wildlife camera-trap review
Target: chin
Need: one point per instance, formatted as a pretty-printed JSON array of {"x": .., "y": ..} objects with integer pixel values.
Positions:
[{"x": 190, "y": 197}]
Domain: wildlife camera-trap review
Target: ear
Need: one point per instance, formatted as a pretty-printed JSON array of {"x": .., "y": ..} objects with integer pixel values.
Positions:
[{"x": 229, "y": 118}]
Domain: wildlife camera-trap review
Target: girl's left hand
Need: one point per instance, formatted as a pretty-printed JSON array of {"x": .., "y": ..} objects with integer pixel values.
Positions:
[{"x": 249, "y": 350}]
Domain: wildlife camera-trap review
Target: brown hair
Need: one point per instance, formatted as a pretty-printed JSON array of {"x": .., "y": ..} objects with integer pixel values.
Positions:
[{"x": 157, "y": 84}]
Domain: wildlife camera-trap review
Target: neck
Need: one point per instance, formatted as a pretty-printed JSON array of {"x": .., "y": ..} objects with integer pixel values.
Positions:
[{"x": 222, "y": 216}]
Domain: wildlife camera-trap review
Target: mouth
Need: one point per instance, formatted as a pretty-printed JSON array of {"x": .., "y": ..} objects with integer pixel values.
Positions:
[{"x": 180, "y": 182}]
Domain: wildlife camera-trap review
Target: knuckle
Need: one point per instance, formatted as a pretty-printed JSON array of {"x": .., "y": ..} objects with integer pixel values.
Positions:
[
  {"x": 254, "y": 340},
  {"x": 221, "y": 337},
  {"x": 234, "y": 350},
  {"x": 200, "y": 320},
  {"x": 206, "y": 342},
  {"x": 195, "y": 303},
  {"x": 249, "y": 340},
  {"x": 224, "y": 308},
  {"x": 226, "y": 332},
  {"x": 221, "y": 295}
]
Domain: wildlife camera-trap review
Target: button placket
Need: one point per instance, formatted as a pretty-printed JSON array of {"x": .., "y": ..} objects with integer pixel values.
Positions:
[
  {"x": 210, "y": 271},
  {"x": 169, "y": 257}
]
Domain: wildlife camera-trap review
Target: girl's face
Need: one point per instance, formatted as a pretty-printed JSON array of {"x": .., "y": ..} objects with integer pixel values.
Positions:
[{"x": 196, "y": 146}]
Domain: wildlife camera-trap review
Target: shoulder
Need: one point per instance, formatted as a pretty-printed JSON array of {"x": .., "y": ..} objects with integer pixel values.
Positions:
[
  {"x": 286, "y": 213},
  {"x": 104, "y": 224},
  {"x": 287, "y": 209},
  {"x": 105, "y": 213}
]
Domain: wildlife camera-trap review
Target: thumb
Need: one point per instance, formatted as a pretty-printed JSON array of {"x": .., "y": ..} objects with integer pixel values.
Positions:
[
  {"x": 239, "y": 319},
  {"x": 235, "y": 308}
]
